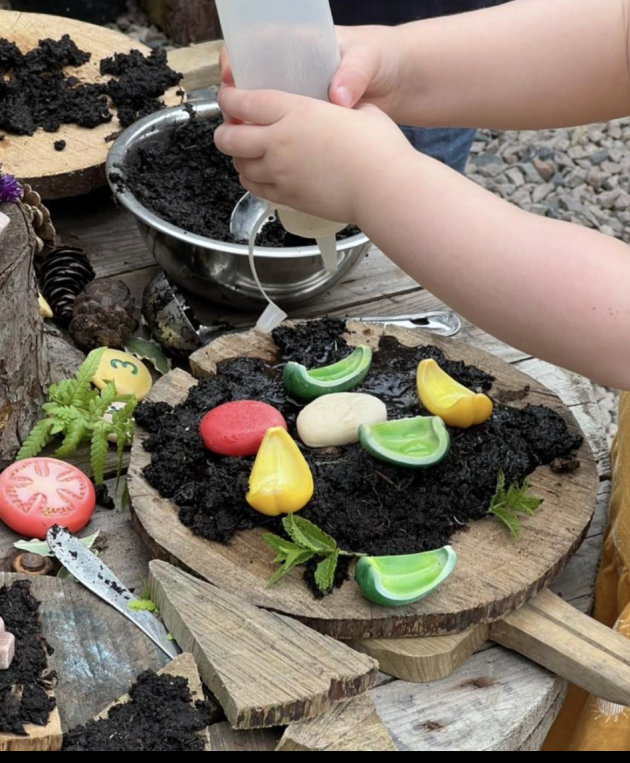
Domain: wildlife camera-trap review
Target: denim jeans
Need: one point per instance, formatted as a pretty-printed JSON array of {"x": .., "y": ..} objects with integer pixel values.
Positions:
[{"x": 448, "y": 145}]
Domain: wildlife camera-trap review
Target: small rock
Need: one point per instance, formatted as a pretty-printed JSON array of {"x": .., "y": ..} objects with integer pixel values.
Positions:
[
  {"x": 622, "y": 201},
  {"x": 596, "y": 178},
  {"x": 599, "y": 157},
  {"x": 607, "y": 199},
  {"x": 544, "y": 169},
  {"x": 558, "y": 180},
  {"x": 515, "y": 176},
  {"x": 541, "y": 192}
]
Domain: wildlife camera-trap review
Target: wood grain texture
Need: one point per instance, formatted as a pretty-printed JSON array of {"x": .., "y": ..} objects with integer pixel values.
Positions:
[
  {"x": 38, "y": 739},
  {"x": 24, "y": 365},
  {"x": 421, "y": 660},
  {"x": 351, "y": 726},
  {"x": 226, "y": 739},
  {"x": 264, "y": 669},
  {"x": 494, "y": 702},
  {"x": 183, "y": 667},
  {"x": 487, "y": 582},
  {"x": 199, "y": 64},
  {"x": 98, "y": 653},
  {"x": 572, "y": 645},
  {"x": 33, "y": 159}
]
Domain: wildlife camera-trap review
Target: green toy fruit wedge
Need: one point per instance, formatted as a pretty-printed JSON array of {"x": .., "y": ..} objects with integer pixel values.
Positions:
[
  {"x": 396, "y": 581},
  {"x": 415, "y": 443},
  {"x": 343, "y": 376}
]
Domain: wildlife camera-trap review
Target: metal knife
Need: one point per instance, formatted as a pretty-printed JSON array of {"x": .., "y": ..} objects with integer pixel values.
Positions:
[{"x": 94, "y": 575}]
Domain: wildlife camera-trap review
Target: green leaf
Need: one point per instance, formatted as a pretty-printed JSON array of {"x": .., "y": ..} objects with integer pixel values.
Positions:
[
  {"x": 280, "y": 545},
  {"x": 308, "y": 536},
  {"x": 509, "y": 520},
  {"x": 38, "y": 439},
  {"x": 120, "y": 445},
  {"x": 102, "y": 403},
  {"x": 294, "y": 559},
  {"x": 41, "y": 547},
  {"x": 75, "y": 432},
  {"x": 85, "y": 374},
  {"x": 124, "y": 499},
  {"x": 506, "y": 506},
  {"x": 98, "y": 451},
  {"x": 144, "y": 349},
  {"x": 143, "y": 605},
  {"x": 123, "y": 415},
  {"x": 325, "y": 573}
]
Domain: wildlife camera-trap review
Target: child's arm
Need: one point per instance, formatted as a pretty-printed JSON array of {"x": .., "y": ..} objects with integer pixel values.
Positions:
[
  {"x": 525, "y": 65},
  {"x": 555, "y": 290}
]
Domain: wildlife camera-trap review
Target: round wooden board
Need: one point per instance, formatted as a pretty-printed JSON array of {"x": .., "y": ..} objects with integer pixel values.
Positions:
[
  {"x": 493, "y": 577},
  {"x": 81, "y": 166}
]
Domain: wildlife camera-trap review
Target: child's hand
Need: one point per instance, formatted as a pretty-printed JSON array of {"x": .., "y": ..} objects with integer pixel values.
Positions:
[
  {"x": 308, "y": 154},
  {"x": 370, "y": 70}
]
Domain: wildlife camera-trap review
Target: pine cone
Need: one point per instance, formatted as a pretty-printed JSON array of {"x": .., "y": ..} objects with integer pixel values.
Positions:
[
  {"x": 63, "y": 275},
  {"x": 41, "y": 221},
  {"x": 103, "y": 316}
]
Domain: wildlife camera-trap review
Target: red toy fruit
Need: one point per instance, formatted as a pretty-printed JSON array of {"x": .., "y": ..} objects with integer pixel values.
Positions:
[
  {"x": 39, "y": 493},
  {"x": 238, "y": 429}
]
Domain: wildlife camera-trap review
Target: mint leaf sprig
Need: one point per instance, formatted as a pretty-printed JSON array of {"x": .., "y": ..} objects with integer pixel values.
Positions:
[
  {"x": 306, "y": 542},
  {"x": 507, "y": 506}
]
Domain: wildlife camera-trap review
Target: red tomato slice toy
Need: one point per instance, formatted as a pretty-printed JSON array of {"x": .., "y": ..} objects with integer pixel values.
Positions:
[
  {"x": 39, "y": 493},
  {"x": 238, "y": 429}
]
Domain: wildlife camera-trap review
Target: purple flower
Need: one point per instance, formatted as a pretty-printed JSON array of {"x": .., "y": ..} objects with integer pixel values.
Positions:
[{"x": 10, "y": 189}]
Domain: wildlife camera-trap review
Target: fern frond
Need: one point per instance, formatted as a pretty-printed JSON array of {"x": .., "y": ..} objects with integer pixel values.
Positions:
[
  {"x": 85, "y": 374},
  {"x": 98, "y": 451},
  {"x": 38, "y": 439}
]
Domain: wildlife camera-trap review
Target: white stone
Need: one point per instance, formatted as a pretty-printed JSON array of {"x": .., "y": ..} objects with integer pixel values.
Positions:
[
  {"x": 334, "y": 420},
  {"x": 1, "y": 625},
  {"x": 4, "y": 223},
  {"x": 7, "y": 650}
]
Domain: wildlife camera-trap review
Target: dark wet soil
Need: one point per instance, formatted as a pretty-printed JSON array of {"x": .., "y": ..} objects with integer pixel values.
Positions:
[
  {"x": 185, "y": 180},
  {"x": 39, "y": 90},
  {"x": 367, "y": 505},
  {"x": 160, "y": 716},
  {"x": 23, "y": 687}
]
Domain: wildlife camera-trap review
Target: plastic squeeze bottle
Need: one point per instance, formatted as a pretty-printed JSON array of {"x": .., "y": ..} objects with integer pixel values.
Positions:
[{"x": 287, "y": 45}]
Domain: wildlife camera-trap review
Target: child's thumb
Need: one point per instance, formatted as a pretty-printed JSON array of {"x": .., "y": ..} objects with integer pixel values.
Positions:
[{"x": 354, "y": 77}]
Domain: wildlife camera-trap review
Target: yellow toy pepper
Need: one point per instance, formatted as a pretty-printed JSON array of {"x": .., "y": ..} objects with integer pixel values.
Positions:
[
  {"x": 281, "y": 481},
  {"x": 442, "y": 396}
]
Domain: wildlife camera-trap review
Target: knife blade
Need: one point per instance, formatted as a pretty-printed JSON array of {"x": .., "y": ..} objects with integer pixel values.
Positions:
[{"x": 95, "y": 576}]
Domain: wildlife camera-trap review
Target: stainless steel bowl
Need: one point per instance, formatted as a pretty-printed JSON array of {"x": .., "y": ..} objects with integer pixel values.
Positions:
[{"x": 218, "y": 270}]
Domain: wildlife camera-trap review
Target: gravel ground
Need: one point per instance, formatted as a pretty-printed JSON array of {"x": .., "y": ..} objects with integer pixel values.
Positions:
[{"x": 581, "y": 175}]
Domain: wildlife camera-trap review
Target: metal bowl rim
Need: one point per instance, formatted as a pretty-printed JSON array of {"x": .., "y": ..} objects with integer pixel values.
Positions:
[{"x": 154, "y": 123}]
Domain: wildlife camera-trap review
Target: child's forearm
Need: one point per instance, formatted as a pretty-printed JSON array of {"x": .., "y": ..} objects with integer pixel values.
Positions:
[
  {"x": 554, "y": 290},
  {"x": 525, "y": 65}
]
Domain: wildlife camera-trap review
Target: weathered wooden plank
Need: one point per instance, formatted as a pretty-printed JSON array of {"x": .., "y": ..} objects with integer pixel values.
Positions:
[
  {"x": 571, "y": 644},
  {"x": 493, "y": 703},
  {"x": 351, "y": 726},
  {"x": 226, "y": 739},
  {"x": 98, "y": 654},
  {"x": 264, "y": 669},
  {"x": 198, "y": 63},
  {"x": 37, "y": 738}
]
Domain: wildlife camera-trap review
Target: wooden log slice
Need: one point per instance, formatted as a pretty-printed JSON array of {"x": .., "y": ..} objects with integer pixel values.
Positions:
[
  {"x": 81, "y": 166},
  {"x": 494, "y": 575}
]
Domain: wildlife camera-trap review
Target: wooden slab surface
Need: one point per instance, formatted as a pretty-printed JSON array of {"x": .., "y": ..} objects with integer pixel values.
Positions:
[
  {"x": 33, "y": 159},
  {"x": 264, "y": 669},
  {"x": 98, "y": 653},
  {"x": 351, "y": 726},
  {"x": 494, "y": 575}
]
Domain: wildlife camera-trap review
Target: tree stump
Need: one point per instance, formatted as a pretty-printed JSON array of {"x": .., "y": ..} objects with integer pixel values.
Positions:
[
  {"x": 24, "y": 362},
  {"x": 185, "y": 21}
]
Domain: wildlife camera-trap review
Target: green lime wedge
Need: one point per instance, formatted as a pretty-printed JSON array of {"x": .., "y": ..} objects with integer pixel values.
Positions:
[
  {"x": 343, "y": 376},
  {"x": 415, "y": 443},
  {"x": 396, "y": 581}
]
